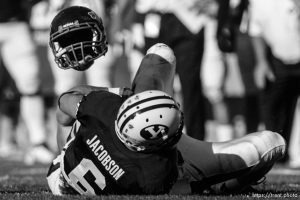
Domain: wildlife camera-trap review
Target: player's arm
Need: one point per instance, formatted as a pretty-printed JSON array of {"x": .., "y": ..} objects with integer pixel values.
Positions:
[
  {"x": 69, "y": 101},
  {"x": 66, "y": 112},
  {"x": 65, "y": 117},
  {"x": 67, "y": 108}
]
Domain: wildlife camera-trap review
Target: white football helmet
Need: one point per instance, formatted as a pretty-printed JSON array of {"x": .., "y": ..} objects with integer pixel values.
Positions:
[{"x": 149, "y": 121}]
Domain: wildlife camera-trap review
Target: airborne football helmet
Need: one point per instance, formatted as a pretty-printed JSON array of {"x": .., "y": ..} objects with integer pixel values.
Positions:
[
  {"x": 77, "y": 38},
  {"x": 149, "y": 121}
]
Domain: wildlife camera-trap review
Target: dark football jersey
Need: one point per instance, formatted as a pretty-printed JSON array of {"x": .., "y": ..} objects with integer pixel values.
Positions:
[{"x": 95, "y": 161}]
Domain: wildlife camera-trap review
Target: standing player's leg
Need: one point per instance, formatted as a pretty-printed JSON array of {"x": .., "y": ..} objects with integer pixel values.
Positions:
[
  {"x": 63, "y": 79},
  {"x": 99, "y": 73},
  {"x": 22, "y": 63}
]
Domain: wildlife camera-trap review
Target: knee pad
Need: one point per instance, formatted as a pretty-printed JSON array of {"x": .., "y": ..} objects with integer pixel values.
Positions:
[{"x": 164, "y": 51}]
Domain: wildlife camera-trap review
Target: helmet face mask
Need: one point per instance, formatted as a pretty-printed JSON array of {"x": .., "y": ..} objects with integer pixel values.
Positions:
[
  {"x": 149, "y": 121},
  {"x": 77, "y": 38}
]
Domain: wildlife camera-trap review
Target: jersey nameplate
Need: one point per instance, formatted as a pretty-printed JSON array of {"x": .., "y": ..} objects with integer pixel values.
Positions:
[{"x": 104, "y": 158}]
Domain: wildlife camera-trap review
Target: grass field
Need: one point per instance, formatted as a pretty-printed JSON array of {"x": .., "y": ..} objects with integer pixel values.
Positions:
[{"x": 18, "y": 181}]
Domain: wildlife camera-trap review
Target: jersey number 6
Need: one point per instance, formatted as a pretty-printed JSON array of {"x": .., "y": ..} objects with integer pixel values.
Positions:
[{"x": 87, "y": 178}]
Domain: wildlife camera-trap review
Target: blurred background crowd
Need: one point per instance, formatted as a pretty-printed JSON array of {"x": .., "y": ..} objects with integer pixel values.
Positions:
[{"x": 238, "y": 67}]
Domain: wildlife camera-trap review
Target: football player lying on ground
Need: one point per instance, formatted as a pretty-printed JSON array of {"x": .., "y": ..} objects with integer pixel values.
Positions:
[{"x": 123, "y": 143}]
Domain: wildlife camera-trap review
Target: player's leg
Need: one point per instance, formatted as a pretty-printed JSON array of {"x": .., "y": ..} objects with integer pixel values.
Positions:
[
  {"x": 270, "y": 147},
  {"x": 22, "y": 63},
  {"x": 240, "y": 162},
  {"x": 99, "y": 73},
  {"x": 63, "y": 79},
  {"x": 9, "y": 114},
  {"x": 56, "y": 182},
  {"x": 156, "y": 71},
  {"x": 54, "y": 176},
  {"x": 135, "y": 56}
]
